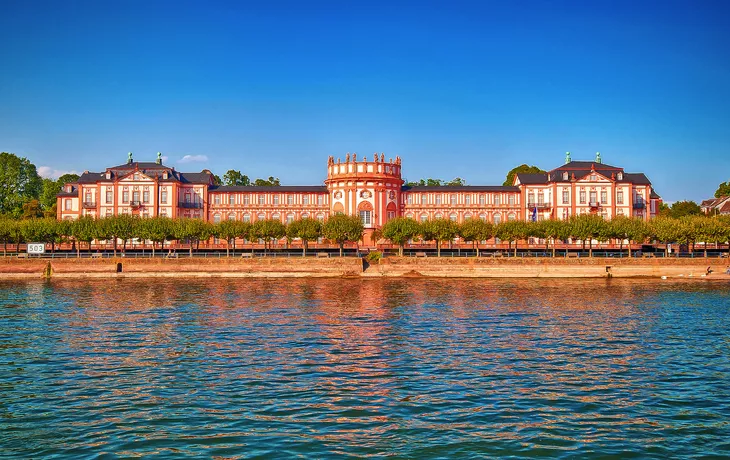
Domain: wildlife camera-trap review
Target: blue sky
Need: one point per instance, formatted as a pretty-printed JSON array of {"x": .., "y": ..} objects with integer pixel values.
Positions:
[{"x": 466, "y": 89}]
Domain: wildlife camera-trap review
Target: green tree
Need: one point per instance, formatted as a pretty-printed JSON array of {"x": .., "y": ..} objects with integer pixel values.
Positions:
[
  {"x": 306, "y": 230},
  {"x": 552, "y": 229},
  {"x": 233, "y": 177},
  {"x": 342, "y": 229},
  {"x": 587, "y": 227},
  {"x": 685, "y": 208},
  {"x": 84, "y": 229},
  {"x": 51, "y": 188},
  {"x": 192, "y": 231},
  {"x": 523, "y": 168},
  {"x": 158, "y": 230},
  {"x": 229, "y": 230},
  {"x": 456, "y": 182},
  {"x": 439, "y": 230},
  {"x": 268, "y": 230},
  {"x": 509, "y": 231},
  {"x": 722, "y": 190},
  {"x": 666, "y": 230},
  {"x": 32, "y": 209},
  {"x": 19, "y": 182},
  {"x": 476, "y": 230},
  {"x": 270, "y": 182},
  {"x": 7, "y": 231},
  {"x": 400, "y": 230}
]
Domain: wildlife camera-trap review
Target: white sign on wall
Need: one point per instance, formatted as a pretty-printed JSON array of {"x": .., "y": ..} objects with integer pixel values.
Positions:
[{"x": 36, "y": 248}]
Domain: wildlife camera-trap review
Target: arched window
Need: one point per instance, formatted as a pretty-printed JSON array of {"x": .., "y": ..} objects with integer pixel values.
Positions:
[
  {"x": 483, "y": 216},
  {"x": 510, "y": 216},
  {"x": 424, "y": 217},
  {"x": 247, "y": 217},
  {"x": 409, "y": 215},
  {"x": 231, "y": 216},
  {"x": 276, "y": 216},
  {"x": 439, "y": 215},
  {"x": 289, "y": 218},
  {"x": 216, "y": 218},
  {"x": 467, "y": 216},
  {"x": 453, "y": 217},
  {"x": 497, "y": 218},
  {"x": 261, "y": 216},
  {"x": 305, "y": 215}
]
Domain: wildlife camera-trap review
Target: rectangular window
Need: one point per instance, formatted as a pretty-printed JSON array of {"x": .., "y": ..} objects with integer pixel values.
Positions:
[
  {"x": 566, "y": 197},
  {"x": 620, "y": 197},
  {"x": 231, "y": 199},
  {"x": 276, "y": 200},
  {"x": 146, "y": 196},
  {"x": 604, "y": 197},
  {"x": 365, "y": 217},
  {"x": 125, "y": 196},
  {"x": 593, "y": 198},
  {"x": 305, "y": 200},
  {"x": 320, "y": 200},
  {"x": 496, "y": 200},
  {"x": 262, "y": 199},
  {"x": 410, "y": 199},
  {"x": 467, "y": 199},
  {"x": 109, "y": 196},
  {"x": 290, "y": 199},
  {"x": 482, "y": 200},
  {"x": 217, "y": 199},
  {"x": 163, "y": 196},
  {"x": 135, "y": 196},
  {"x": 511, "y": 199},
  {"x": 540, "y": 198},
  {"x": 87, "y": 197},
  {"x": 530, "y": 199},
  {"x": 67, "y": 204},
  {"x": 582, "y": 197},
  {"x": 391, "y": 214},
  {"x": 423, "y": 199},
  {"x": 453, "y": 200},
  {"x": 438, "y": 199},
  {"x": 247, "y": 199}
]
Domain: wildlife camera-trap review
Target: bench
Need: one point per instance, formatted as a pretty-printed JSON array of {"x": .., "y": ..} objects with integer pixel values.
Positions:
[
  {"x": 246, "y": 255},
  {"x": 421, "y": 254},
  {"x": 22, "y": 256},
  {"x": 172, "y": 255},
  {"x": 323, "y": 254},
  {"x": 572, "y": 255},
  {"x": 497, "y": 254},
  {"x": 97, "y": 255}
]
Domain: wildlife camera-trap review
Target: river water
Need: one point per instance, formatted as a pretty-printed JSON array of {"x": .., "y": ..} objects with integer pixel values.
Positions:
[{"x": 310, "y": 368}]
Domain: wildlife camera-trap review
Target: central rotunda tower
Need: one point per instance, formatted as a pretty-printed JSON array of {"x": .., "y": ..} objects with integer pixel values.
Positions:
[{"x": 368, "y": 189}]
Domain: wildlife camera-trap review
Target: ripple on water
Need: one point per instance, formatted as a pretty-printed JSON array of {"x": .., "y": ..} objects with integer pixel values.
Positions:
[{"x": 352, "y": 368}]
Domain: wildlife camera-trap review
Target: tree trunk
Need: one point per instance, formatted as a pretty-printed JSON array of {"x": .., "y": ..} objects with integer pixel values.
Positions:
[
  {"x": 115, "y": 246},
  {"x": 342, "y": 248},
  {"x": 191, "y": 247},
  {"x": 304, "y": 248},
  {"x": 228, "y": 247},
  {"x": 153, "y": 249},
  {"x": 400, "y": 251},
  {"x": 515, "y": 248},
  {"x": 553, "y": 247},
  {"x": 590, "y": 247},
  {"x": 476, "y": 245},
  {"x": 438, "y": 248}
]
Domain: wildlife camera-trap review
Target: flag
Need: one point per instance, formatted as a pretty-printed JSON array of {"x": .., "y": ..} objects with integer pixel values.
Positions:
[{"x": 534, "y": 214}]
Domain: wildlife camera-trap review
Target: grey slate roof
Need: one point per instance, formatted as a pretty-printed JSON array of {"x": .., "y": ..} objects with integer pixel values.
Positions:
[
  {"x": 460, "y": 188},
  {"x": 270, "y": 189}
]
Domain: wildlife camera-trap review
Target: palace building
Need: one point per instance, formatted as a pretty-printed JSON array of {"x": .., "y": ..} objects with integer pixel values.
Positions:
[{"x": 370, "y": 188}]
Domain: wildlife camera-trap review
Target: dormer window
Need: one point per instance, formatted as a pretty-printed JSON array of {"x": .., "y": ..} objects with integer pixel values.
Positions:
[
  {"x": 108, "y": 175},
  {"x": 164, "y": 174},
  {"x": 620, "y": 176},
  {"x": 565, "y": 175}
]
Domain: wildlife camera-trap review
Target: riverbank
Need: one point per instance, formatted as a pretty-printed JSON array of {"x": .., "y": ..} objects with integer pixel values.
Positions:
[{"x": 354, "y": 267}]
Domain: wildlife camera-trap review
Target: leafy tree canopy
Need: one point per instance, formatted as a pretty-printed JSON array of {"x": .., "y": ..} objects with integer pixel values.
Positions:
[
  {"x": 19, "y": 182},
  {"x": 684, "y": 208},
  {"x": 523, "y": 168},
  {"x": 723, "y": 190},
  {"x": 436, "y": 182},
  {"x": 233, "y": 177}
]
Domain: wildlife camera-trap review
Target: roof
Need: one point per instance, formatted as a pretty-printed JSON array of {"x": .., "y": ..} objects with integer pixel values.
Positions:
[
  {"x": 460, "y": 188},
  {"x": 73, "y": 193},
  {"x": 532, "y": 178},
  {"x": 586, "y": 165},
  {"x": 270, "y": 189},
  {"x": 156, "y": 173},
  {"x": 140, "y": 165}
]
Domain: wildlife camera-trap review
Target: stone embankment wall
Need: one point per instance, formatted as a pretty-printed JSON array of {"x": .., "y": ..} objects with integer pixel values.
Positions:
[{"x": 349, "y": 266}]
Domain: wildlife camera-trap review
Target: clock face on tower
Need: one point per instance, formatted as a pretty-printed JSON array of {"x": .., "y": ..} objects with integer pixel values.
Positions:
[{"x": 365, "y": 194}]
